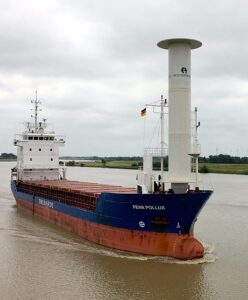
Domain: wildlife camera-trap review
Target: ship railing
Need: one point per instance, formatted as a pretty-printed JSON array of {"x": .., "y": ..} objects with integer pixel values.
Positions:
[
  {"x": 159, "y": 152},
  {"x": 195, "y": 149},
  {"x": 61, "y": 171},
  {"x": 39, "y": 167}
]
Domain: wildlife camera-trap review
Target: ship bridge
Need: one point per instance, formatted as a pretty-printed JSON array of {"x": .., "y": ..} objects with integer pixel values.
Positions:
[{"x": 38, "y": 150}]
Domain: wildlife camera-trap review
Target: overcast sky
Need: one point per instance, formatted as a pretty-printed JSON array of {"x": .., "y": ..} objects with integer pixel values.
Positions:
[{"x": 95, "y": 64}]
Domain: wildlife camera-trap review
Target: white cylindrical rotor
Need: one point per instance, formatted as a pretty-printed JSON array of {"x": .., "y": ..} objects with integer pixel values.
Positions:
[{"x": 179, "y": 108}]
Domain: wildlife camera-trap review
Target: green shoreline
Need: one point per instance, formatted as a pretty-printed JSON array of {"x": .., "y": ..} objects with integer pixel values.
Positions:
[
  {"x": 219, "y": 168},
  {"x": 239, "y": 169},
  {"x": 7, "y": 159}
]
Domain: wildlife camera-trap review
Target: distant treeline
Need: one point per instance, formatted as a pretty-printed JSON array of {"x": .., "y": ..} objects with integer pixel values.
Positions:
[
  {"x": 217, "y": 159},
  {"x": 224, "y": 159},
  {"x": 8, "y": 156}
]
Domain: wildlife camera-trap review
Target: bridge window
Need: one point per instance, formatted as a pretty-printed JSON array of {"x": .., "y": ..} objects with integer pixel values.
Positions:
[{"x": 30, "y": 159}]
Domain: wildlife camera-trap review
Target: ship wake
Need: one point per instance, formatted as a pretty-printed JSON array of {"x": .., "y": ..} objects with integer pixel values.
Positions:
[{"x": 67, "y": 241}]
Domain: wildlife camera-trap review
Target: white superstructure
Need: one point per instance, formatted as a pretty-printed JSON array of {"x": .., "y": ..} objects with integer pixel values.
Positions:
[{"x": 38, "y": 151}]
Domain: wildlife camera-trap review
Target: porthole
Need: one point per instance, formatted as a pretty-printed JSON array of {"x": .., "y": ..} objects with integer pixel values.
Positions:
[
  {"x": 30, "y": 159},
  {"x": 30, "y": 149},
  {"x": 39, "y": 149},
  {"x": 51, "y": 159}
]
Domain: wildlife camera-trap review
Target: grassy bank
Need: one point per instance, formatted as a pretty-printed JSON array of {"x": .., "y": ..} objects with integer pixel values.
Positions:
[
  {"x": 203, "y": 167},
  {"x": 225, "y": 168},
  {"x": 117, "y": 164},
  {"x": 7, "y": 159}
]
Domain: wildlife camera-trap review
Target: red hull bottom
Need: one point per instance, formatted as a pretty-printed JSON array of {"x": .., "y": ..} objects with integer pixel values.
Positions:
[{"x": 183, "y": 246}]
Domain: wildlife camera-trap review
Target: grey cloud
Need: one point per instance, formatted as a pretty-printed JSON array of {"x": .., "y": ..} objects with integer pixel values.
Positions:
[{"x": 95, "y": 63}]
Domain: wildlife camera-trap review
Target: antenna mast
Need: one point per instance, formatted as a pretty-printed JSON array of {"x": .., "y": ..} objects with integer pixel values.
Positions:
[
  {"x": 162, "y": 105},
  {"x": 197, "y": 151},
  {"x": 36, "y": 103},
  {"x": 162, "y": 143}
]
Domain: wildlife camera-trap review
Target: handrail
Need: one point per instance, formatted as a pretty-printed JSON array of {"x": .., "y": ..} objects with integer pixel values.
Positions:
[{"x": 156, "y": 152}]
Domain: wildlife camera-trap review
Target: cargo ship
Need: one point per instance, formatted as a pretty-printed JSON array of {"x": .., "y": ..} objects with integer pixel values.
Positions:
[{"x": 155, "y": 218}]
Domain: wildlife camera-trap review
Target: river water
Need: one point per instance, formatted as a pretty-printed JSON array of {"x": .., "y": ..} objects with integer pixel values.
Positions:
[{"x": 41, "y": 261}]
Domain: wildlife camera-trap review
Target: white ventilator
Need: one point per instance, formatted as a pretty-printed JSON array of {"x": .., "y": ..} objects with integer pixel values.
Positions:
[{"x": 179, "y": 113}]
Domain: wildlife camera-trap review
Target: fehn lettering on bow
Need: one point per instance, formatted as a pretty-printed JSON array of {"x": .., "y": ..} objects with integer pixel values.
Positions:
[{"x": 149, "y": 207}]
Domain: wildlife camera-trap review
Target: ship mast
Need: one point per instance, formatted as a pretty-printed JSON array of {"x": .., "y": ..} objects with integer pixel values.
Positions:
[
  {"x": 36, "y": 109},
  {"x": 162, "y": 142},
  {"x": 196, "y": 146},
  {"x": 162, "y": 105}
]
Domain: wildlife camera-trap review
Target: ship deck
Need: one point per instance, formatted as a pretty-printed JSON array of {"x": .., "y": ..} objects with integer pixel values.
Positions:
[{"x": 82, "y": 188}]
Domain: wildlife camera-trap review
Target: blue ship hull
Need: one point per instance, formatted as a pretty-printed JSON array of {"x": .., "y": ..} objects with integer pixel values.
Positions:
[{"x": 162, "y": 219}]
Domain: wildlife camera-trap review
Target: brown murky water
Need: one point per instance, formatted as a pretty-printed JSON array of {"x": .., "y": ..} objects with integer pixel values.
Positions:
[{"x": 41, "y": 261}]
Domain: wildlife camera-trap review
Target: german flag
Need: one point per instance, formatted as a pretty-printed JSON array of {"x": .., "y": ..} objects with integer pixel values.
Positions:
[{"x": 143, "y": 112}]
